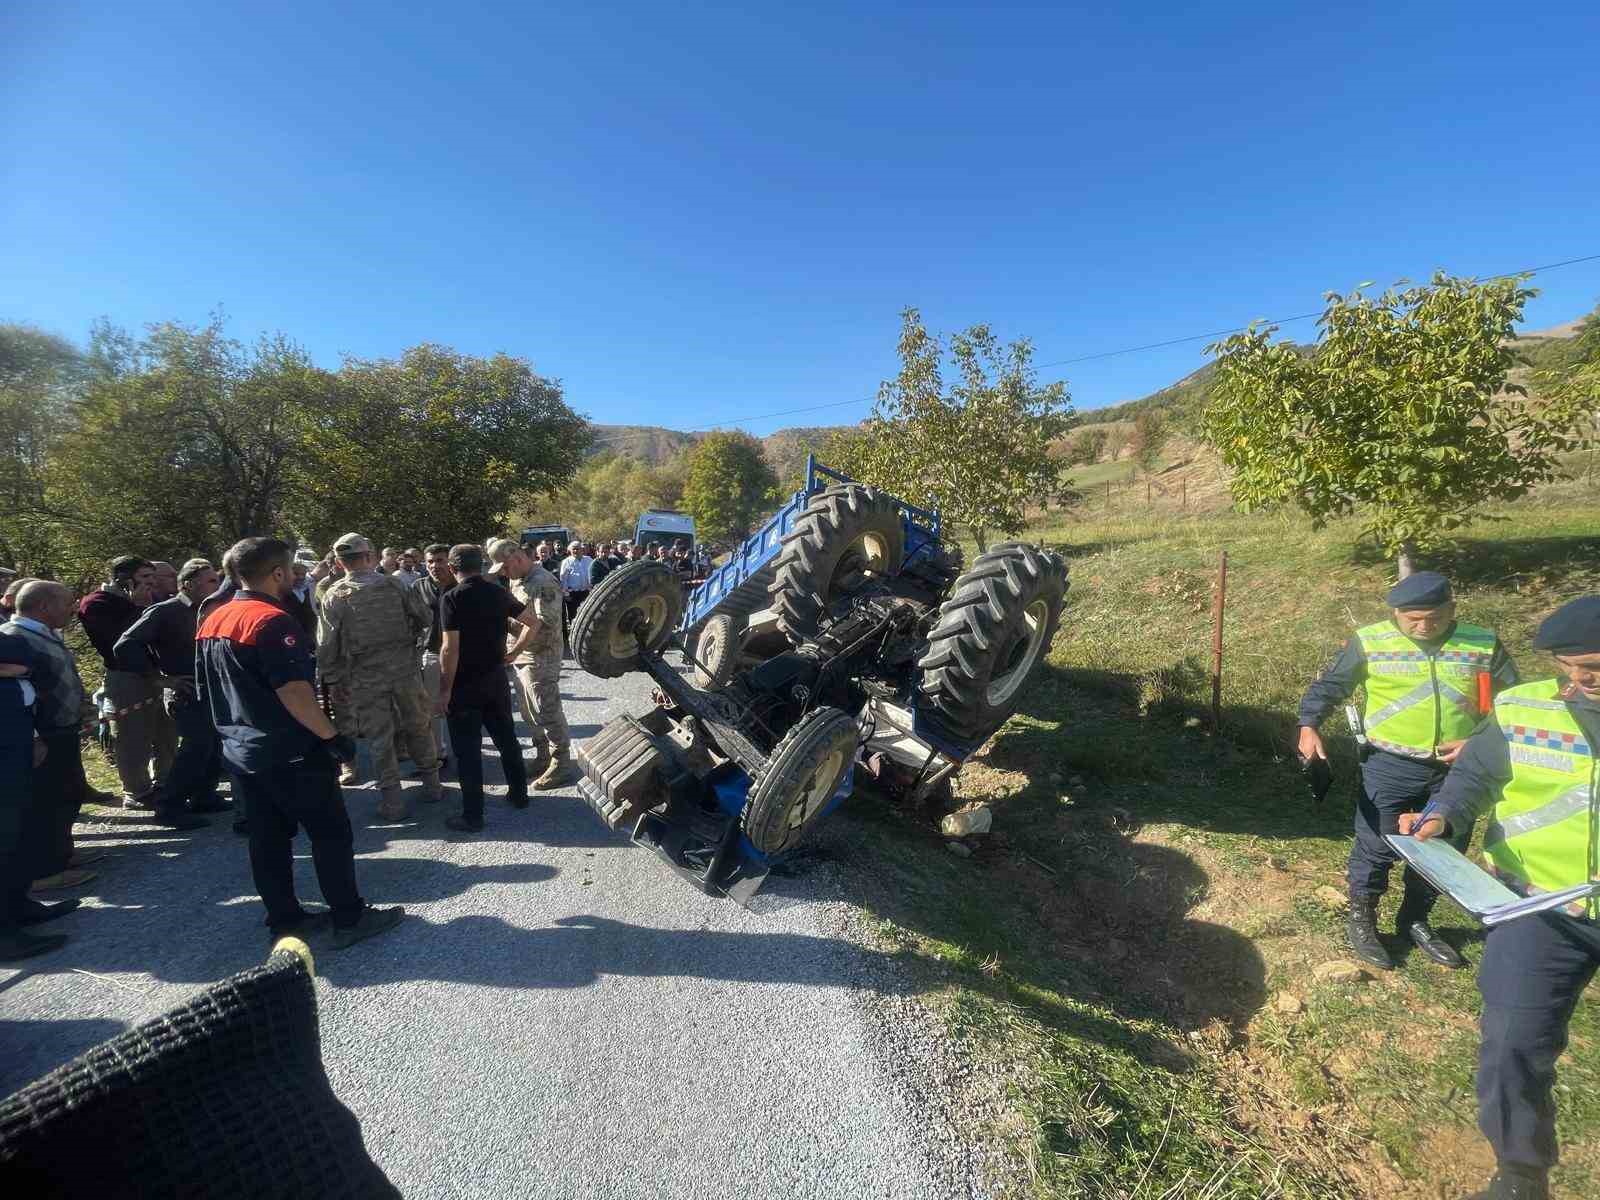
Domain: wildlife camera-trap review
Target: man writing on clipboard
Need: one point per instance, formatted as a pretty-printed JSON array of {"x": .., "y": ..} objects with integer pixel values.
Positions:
[
  {"x": 1429, "y": 681},
  {"x": 1534, "y": 769}
]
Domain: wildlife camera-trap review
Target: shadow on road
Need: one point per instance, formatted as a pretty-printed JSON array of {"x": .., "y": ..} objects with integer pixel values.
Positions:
[{"x": 577, "y": 951}]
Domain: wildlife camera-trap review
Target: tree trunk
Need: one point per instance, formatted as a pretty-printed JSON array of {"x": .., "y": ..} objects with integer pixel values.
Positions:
[
  {"x": 980, "y": 536},
  {"x": 1406, "y": 560}
]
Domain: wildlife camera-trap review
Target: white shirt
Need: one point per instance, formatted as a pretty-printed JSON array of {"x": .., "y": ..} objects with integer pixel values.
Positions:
[
  {"x": 575, "y": 573},
  {"x": 407, "y": 577}
]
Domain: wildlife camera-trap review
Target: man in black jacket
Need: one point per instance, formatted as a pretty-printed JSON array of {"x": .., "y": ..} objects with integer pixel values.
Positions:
[{"x": 160, "y": 647}]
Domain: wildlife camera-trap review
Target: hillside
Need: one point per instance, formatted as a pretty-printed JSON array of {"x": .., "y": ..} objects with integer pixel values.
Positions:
[
  {"x": 786, "y": 448},
  {"x": 1181, "y": 402}
]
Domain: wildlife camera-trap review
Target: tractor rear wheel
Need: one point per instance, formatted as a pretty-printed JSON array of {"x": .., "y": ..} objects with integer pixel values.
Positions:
[
  {"x": 716, "y": 652},
  {"x": 804, "y": 771},
  {"x": 644, "y": 595},
  {"x": 844, "y": 537},
  {"x": 989, "y": 637}
]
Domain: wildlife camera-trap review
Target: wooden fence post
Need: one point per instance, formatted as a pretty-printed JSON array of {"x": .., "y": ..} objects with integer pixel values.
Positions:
[{"x": 1217, "y": 606}]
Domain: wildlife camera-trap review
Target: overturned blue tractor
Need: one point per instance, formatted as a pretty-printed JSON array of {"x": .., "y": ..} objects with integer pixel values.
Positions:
[{"x": 843, "y": 636}]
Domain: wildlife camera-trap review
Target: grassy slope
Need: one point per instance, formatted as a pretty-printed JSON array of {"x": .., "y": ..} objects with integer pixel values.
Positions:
[{"x": 1119, "y": 945}]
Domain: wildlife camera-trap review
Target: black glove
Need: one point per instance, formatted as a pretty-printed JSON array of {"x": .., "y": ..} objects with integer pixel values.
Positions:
[
  {"x": 1319, "y": 776},
  {"x": 342, "y": 746}
]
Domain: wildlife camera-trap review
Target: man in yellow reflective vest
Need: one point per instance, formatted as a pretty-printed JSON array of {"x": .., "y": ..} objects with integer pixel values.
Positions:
[
  {"x": 1534, "y": 770},
  {"x": 1429, "y": 682}
]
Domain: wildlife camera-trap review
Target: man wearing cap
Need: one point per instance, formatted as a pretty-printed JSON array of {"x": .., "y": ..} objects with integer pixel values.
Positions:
[
  {"x": 536, "y": 654},
  {"x": 367, "y": 638},
  {"x": 1535, "y": 770},
  {"x": 1429, "y": 682}
]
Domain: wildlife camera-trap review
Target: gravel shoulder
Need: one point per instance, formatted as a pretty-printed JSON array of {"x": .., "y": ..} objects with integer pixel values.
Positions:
[{"x": 558, "y": 1006}]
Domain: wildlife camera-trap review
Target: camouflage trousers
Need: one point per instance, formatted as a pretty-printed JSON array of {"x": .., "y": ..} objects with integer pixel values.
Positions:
[
  {"x": 391, "y": 711},
  {"x": 539, "y": 694}
]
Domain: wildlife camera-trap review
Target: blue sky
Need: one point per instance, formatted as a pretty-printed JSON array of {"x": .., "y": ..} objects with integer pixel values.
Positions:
[{"x": 698, "y": 213}]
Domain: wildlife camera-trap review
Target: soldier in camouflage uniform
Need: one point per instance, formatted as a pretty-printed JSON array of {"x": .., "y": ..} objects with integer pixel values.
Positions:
[
  {"x": 367, "y": 636},
  {"x": 538, "y": 664}
]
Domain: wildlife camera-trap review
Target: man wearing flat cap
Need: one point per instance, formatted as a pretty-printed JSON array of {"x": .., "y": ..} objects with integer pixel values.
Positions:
[
  {"x": 1430, "y": 681},
  {"x": 1535, "y": 771}
]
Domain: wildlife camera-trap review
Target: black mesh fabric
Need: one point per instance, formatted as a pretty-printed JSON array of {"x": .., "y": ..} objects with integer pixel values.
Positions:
[{"x": 224, "y": 1096}]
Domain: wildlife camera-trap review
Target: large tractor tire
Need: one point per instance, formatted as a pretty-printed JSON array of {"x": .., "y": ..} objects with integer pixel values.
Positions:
[
  {"x": 643, "y": 594},
  {"x": 805, "y": 770},
  {"x": 990, "y": 636},
  {"x": 845, "y": 536},
  {"x": 716, "y": 652}
]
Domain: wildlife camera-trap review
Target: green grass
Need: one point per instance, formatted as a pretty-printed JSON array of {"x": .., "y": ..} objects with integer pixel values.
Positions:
[{"x": 1116, "y": 943}]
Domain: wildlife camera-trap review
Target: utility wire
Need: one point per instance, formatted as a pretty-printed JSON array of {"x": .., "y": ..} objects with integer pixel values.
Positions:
[{"x": 1063, "y": 362}]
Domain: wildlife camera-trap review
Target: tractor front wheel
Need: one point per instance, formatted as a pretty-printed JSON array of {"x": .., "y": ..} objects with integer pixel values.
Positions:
[
  {"x": 642, "y": 598},
  {"x": 804, "y": 771}
]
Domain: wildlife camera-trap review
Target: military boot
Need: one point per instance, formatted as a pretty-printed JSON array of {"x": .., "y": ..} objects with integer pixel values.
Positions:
[
  {"x": 1363, "y": 932},
  {"x": 1512, "y": 1182},
  {"x": 561, "y": 772},
  {"x": 536, "y": 766},
  {"x": 392, "y": 805},
  {"x": 432, "y": 789},
  {"x": 1412, "y": 922}
]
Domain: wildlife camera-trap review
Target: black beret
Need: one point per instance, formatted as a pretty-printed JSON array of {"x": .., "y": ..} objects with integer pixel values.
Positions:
[
  {"x": 1425, "y": 589},
  {"x": 1574, "y": 628}
]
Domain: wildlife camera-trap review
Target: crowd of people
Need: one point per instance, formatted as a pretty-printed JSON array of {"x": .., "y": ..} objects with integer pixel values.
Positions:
[{"x": 265, "y": 675}]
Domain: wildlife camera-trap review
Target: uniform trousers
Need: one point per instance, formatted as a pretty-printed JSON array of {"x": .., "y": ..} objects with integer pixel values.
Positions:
[
  {"x": 392, "y": 710},
  {"x": 301, "y": 794},
  {"x": 1392, "y": 785},
  {"x": 197, "y": 769},
  {"x": 539, "y": 694},
  {"x": 467, "y": 727},
  {"x": 1532, "y": 973}
]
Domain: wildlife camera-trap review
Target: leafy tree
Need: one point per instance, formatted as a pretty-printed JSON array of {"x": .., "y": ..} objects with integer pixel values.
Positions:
[
  {"x": 1149, "y": 436},
  {"x": 1086, "y": 445},
  {"x": 1401, "y": 411},
  {"x": 605, "y": 497},
  {"x": 979, "y": 450},
  {"x": 730, "y": 485},
  {"x": 182, "y": 443},
  {"x": 1572, "y": 390},
  {"x": 39, "y": 377},
  {"x": 434, "y": 445}
]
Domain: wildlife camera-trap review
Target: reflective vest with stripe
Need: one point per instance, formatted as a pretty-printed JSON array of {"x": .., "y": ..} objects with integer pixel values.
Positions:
[
  {"x": 1541, "y": 836},
  {"x": 1417, "y": 699}
]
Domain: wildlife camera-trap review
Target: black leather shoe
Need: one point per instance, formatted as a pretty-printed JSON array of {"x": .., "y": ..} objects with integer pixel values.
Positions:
[
  {"x": 18, "y": 944},
  {"x": 1434, "y": 946},
  {"x": 1512, "y": 1183},
  {"x": 1363, "y": 933},
  {"x": 37, "y": 912},
  {"x": 206, "y": 807},
  {"x": 178, "y": 819}
]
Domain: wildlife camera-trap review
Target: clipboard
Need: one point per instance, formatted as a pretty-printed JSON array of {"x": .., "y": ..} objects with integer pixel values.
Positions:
[{"x": 1483, "y": 896}]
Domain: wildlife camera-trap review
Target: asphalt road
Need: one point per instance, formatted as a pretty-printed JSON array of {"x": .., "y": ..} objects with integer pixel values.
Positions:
[{"x": 558, "y": 1016}]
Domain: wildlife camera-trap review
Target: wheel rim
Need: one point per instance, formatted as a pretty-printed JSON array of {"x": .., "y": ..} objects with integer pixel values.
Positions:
[
  {"x": 648, "y": 611},
  {"x": 817, "y": 789},
  {"x": 707, "y": 650},
  {"x": 866, "y": 555},
  {"x": 1020, "y": 656}
]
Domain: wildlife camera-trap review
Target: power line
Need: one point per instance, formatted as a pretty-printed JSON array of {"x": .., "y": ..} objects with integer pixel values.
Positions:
[{"x": 1062, "y": 362}]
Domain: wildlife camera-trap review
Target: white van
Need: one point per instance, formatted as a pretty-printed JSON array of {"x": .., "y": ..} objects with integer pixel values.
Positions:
[{"x": 665, "y": 526}]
